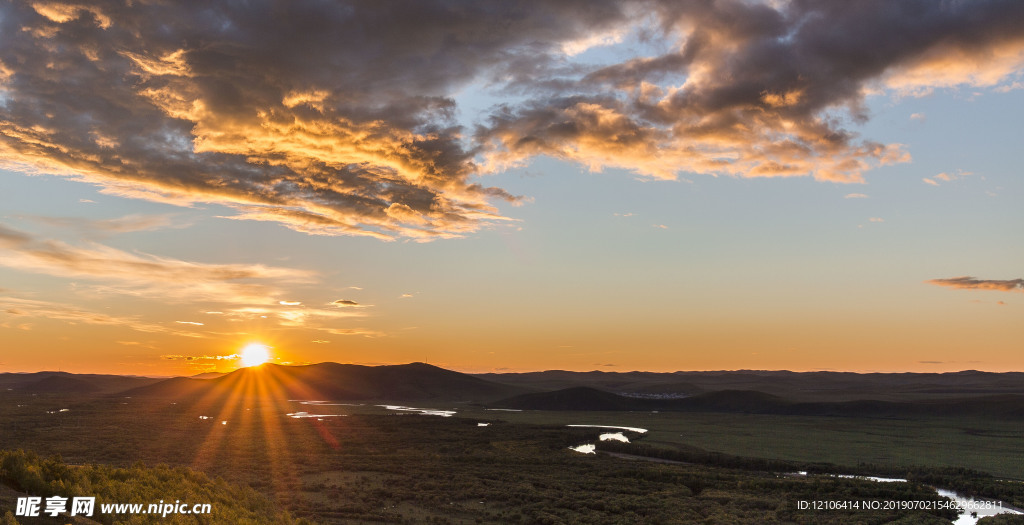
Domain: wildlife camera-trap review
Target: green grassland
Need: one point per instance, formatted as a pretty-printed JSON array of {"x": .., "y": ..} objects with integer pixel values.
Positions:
[
  {"x": 372, "y": 466},
  {"x": 990, "y": 445}
]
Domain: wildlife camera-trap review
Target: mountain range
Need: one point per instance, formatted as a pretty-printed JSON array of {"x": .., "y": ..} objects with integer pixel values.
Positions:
[
  {"x": 338, "y": 382},
  {"x": 764, "y": 392}
]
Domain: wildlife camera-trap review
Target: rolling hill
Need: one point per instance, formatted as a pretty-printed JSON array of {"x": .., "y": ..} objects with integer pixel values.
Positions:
[
  {"x": 754, "y": 402},
  {"x": 333, "y": 381},
  {"x": 68, "y": 383},
  {"x": 797, "y": 386},
  {"x": 755, "y": 392}
]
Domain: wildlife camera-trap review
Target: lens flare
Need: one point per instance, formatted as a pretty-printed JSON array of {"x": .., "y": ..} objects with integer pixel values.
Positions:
[{"x": 255, "y": 354}]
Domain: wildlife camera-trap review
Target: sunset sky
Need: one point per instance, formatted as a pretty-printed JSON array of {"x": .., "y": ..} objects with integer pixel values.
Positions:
[{"x": 511, "y": 186}]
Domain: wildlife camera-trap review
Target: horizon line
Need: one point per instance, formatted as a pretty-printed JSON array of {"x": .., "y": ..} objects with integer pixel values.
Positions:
[{"x": 502, "y": 372}]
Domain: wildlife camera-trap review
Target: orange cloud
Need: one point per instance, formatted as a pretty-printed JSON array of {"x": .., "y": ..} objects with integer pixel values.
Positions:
[
  {"x": 17, "y": 307},
  {"x": 98, "y": 228},
  {"x": 753, "y": 89},
  {"x": 326, "y": 129},
  {"x": 145, "y": 275},
  {"x": 955, "y": 63},
  {"x": 970, "y": 283}
]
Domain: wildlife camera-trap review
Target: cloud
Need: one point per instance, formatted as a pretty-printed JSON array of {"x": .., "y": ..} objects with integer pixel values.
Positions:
[
  {"x": 970, "y": 283},
  {"x": 345, "y": 303},
  {"x": 352, "y": 331},
  {"x": 193, "y": 323},
  {"x": 948, "y": 177},
  {"x": 763, "y": 90},
  {"x": 876, "y": 219},
  {"x": 920, "y": 117},
  {"x": 72, "y": 314},
  {"x": 175, "y": 357},
  {"x": 317, "y": 124},
  {"x": 855, "y": 196},
  {"x": 145, "y": 275},
  {"x": 126, "y": 224},
  {"x": 10, "y": 237},
  {"x": 322, "y": 319},
  {"x": 340, "y": 118},
  {"x": 290, "y": 316}
]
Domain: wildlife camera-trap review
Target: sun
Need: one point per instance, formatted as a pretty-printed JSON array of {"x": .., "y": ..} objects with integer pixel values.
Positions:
[{"x": 254, "y": 354}]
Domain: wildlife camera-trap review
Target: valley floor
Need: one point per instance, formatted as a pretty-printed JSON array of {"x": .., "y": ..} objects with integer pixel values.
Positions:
[{"x": 372, "y": 465}]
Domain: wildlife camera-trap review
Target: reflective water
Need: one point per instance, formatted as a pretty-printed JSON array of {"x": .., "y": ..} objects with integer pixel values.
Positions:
[
  {"x": 872, "y": 478},
  {"x": 617, "y": 436},
  {"x": 975, "y": 509},
  {"x": 631, "y": 429},
  {"x": 300, "y": 415},
  {"x": 424, "y": 411},
  {"x": 324, "y": 403},
  {"x": 972, "y": 509}
]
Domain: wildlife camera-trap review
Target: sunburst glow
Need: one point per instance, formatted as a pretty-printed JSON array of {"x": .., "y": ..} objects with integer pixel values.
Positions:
[{"x": 254, "y": 354}]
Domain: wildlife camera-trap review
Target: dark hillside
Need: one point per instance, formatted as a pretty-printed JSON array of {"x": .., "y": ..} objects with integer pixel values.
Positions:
[{"x": 333, "y": 381}]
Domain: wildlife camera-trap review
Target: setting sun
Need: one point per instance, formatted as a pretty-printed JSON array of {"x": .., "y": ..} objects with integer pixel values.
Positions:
[{"x": 254, "y": 354}]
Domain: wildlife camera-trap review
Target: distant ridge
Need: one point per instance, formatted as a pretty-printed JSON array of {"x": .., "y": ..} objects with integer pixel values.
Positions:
[
  {"x": 59, "y": 384},
  {"x": 66, "y": 383},
  {"x": 798, "y": 386},
  {"x": 574, "y": 398},
  {"x": 334, "y": 381},
  {"x": 585, "y": 398},
  {"x": 753, "y": 402},
  {"x": 208, "y": 375},
  {"x": 839, "y": 394}
]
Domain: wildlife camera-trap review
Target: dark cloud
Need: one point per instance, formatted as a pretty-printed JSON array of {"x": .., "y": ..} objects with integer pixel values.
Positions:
[
  {"x": 345, "y": 302},
  {"x": 339, "y": 118},
  {"x": 970, "y": 283},
  {"x": 320, "y": 116},
  {"x": 752, "y": 90}
]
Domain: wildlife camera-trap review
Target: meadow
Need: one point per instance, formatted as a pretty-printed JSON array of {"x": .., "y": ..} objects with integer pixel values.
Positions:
[
  {"x": 986, "y": 444},
  {"x": 379, "y": 466}
]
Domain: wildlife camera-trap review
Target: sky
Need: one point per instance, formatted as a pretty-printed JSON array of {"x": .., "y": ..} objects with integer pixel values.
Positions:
[{"x": 512, "y": 186}]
